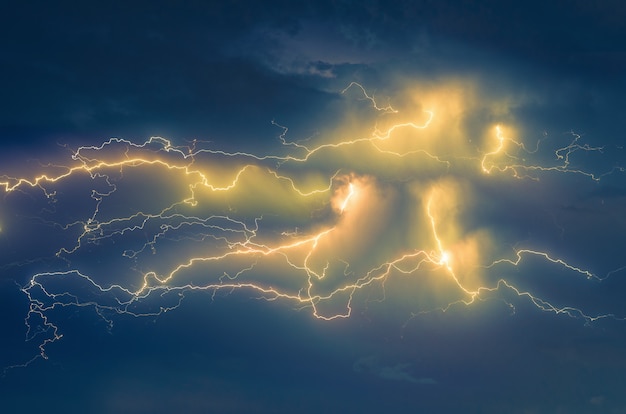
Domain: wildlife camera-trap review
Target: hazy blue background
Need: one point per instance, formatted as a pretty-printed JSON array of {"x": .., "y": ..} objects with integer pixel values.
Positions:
[{"x": 78, "y": 73}]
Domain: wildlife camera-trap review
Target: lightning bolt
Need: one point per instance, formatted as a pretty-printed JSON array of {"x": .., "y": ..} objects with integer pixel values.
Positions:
[{"x": 321, "y": 225}]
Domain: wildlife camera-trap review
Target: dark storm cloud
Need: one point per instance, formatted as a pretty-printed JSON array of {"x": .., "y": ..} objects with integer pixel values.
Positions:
[
  {"x": 572, "y": 37},
  {"x": 608, "y": 192},
  {"x": 397, "y": 372},
  {"x": 73, "y": 72},
  {"x": 141, "y": 69},
  {"x": 562, "y": 34}
]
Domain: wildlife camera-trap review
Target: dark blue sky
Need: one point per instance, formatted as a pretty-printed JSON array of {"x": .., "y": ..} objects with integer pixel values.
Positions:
[{"x": 76, "y": 74}]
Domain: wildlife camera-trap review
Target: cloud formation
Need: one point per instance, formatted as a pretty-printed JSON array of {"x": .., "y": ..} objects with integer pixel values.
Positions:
[{"x": 399, "y": 372}]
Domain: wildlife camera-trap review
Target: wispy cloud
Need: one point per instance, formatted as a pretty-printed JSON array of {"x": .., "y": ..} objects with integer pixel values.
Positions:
[{"x": 398, "y": 372}]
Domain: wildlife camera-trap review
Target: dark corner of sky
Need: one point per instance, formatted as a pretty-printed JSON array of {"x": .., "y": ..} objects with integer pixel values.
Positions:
[{"x": 76, "y": 73}]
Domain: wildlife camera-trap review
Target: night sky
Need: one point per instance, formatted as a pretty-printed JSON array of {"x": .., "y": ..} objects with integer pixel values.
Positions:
[{"x": 321, "y": 206}]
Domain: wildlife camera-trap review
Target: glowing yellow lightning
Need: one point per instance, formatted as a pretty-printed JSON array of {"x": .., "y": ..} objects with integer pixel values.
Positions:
[
  {"x": 322, "y": 216},
  {"x": 348, "y": 197}
]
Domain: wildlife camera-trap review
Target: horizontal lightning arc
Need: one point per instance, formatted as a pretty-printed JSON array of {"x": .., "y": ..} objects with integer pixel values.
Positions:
[{"x": 225, "y": 238}]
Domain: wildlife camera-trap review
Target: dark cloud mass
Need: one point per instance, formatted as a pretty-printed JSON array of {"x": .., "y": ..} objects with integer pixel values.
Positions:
[{"x": 374, "y": 206}]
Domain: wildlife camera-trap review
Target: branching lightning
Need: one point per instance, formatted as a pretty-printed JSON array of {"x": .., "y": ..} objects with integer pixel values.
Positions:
[{"x": 315, "y": 227}]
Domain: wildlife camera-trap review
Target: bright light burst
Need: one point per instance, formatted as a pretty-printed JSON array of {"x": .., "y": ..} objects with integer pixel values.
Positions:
[{"x": 323, "y": 224}]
